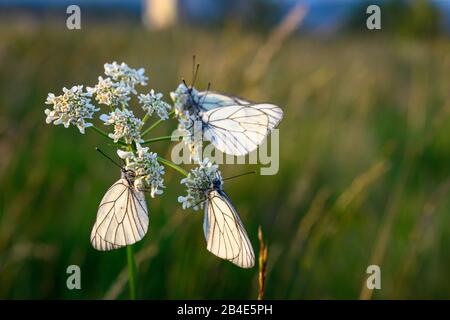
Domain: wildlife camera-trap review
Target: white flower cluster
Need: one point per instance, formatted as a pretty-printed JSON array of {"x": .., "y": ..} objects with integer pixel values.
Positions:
[
  {"x": 127, "y": 76},
  {"x": 198, "y": 182},
  {"x": 190, "y": 128},
  {"x": 115, "y": 90},
  {"x": 126, "y": 125},
  {"x": 72, "y": 107},
  {"x": 148, "y": 171},
  {"x": 110, "y": 93},
  {"x": 152, "y": 103},
  {"x": 189, "y": 124}
]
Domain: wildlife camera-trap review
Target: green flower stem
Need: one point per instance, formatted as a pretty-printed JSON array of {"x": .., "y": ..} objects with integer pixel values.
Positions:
[
  {"x": 144, "y": 120},
  {"x": 154, "y": 125},
  {"x": 164, "y": 138},
  {"x": 130, "y": 259},
  {"x": 173, "y": 166},
  {"x": 130, "y": 254},
  {"x": 131, "y": 272},
  {"x": 103, "y": 133}
]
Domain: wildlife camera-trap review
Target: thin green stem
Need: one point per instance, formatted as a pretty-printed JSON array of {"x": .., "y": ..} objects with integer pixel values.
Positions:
[
  {"x": 164, "y": 138},
  {"x": 173, "y": 166},
  {"x": 154, "y": 125},
  {"x": 130, "y": 260},
  {"x": 144, "y": 120},
  {"x": 131, "y": 272},
  {"x": 103, "y": 133}
]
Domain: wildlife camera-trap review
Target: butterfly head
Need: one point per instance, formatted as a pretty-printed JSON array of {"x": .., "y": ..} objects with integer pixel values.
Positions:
[
  {"x": 217, "y": 183},
  {"x": 185, "y": 98},
  {"x": 129, "y": 175}
]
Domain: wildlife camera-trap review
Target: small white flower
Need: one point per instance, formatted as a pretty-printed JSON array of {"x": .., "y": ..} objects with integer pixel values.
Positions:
[
  {"x": 126, "y": 125},
  {"x": 190, "y": 128},
  {"x": 151, "y": 102},
  {"x": 199, "y": 182},
  {"x": 127, "y": 76},
  {"x": 149, "y": 172},
  {"x": 189, "y": 122},
  {"x": 110, "y": 93},
  {"x": 72, "y": 107},
  {"x": 124, "y": 154}
]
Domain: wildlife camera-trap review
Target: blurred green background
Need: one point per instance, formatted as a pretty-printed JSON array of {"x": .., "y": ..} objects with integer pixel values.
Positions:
[{"x": 364, "y": 164}]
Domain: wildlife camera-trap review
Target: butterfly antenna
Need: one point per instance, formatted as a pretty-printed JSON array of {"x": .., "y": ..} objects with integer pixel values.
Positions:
[
  {"x": 198, "y": 203},
  {"x": 108, "y": 157},
  {"x": 194, "y": 78},
  {"x": 193, "y": 68},
  {"x": 239, "y": 175},
  {"x": 185, "y": 84},
  {"x": 207, "y": 91},
  {"x": 189, "y": 89}
]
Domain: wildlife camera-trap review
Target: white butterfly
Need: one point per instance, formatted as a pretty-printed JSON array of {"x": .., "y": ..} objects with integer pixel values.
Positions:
[
  {"x": 122, "y": 217},
  {"x": 224, "y": 232},
  {"x": 233, "y": 125}
]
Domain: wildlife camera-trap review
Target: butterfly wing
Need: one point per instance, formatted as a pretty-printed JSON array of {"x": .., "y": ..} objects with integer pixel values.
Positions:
[
  {"x": 209, "y": 100},
  {"x": 224, "y": 232},
  {"x": 122, "y": 217},
  {"x": 240, "y": 129}
]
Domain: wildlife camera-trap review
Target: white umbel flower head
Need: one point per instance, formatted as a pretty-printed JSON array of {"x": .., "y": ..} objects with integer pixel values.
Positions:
[
  {"x": 190, "y": 128},
  {"x": 126, "y": 125},
  {"x": 125, "y": 75},
  {"x": 152, "y": 103},
  {"x": 199, "y": 182},
  {"x": 148, "y": 171},
  {"x": 110, "y": 93},
  {"x": 72, "y": 107}
]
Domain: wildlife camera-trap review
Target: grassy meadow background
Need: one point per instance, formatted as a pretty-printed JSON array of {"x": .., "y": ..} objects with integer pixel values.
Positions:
[{"x": 364, "y": 166}]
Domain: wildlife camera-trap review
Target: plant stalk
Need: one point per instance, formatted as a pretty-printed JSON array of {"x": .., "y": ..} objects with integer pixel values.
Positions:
[
  {"x": 131, "y": 272},
  {"x": 173, "y": 166},
  {"x": 103, "y": 133},
  {"x": 164, "y": 138},
  {"x": 154, "y": 125}
]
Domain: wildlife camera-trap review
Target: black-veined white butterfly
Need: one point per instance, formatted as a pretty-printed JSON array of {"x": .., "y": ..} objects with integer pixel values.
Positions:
[
  {"x": 122, "y": 216},
  {"x": 233, "y": 125},
  {"x": 224, "y": 232}
]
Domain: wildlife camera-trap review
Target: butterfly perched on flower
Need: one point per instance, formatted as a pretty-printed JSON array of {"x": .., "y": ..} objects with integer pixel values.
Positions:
[
  {"x": 224, "y": 232},
  {"x": 233, "y": 125},
  {"x": 223, "y": 229},
  {"x": 122, "y": 216}
]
